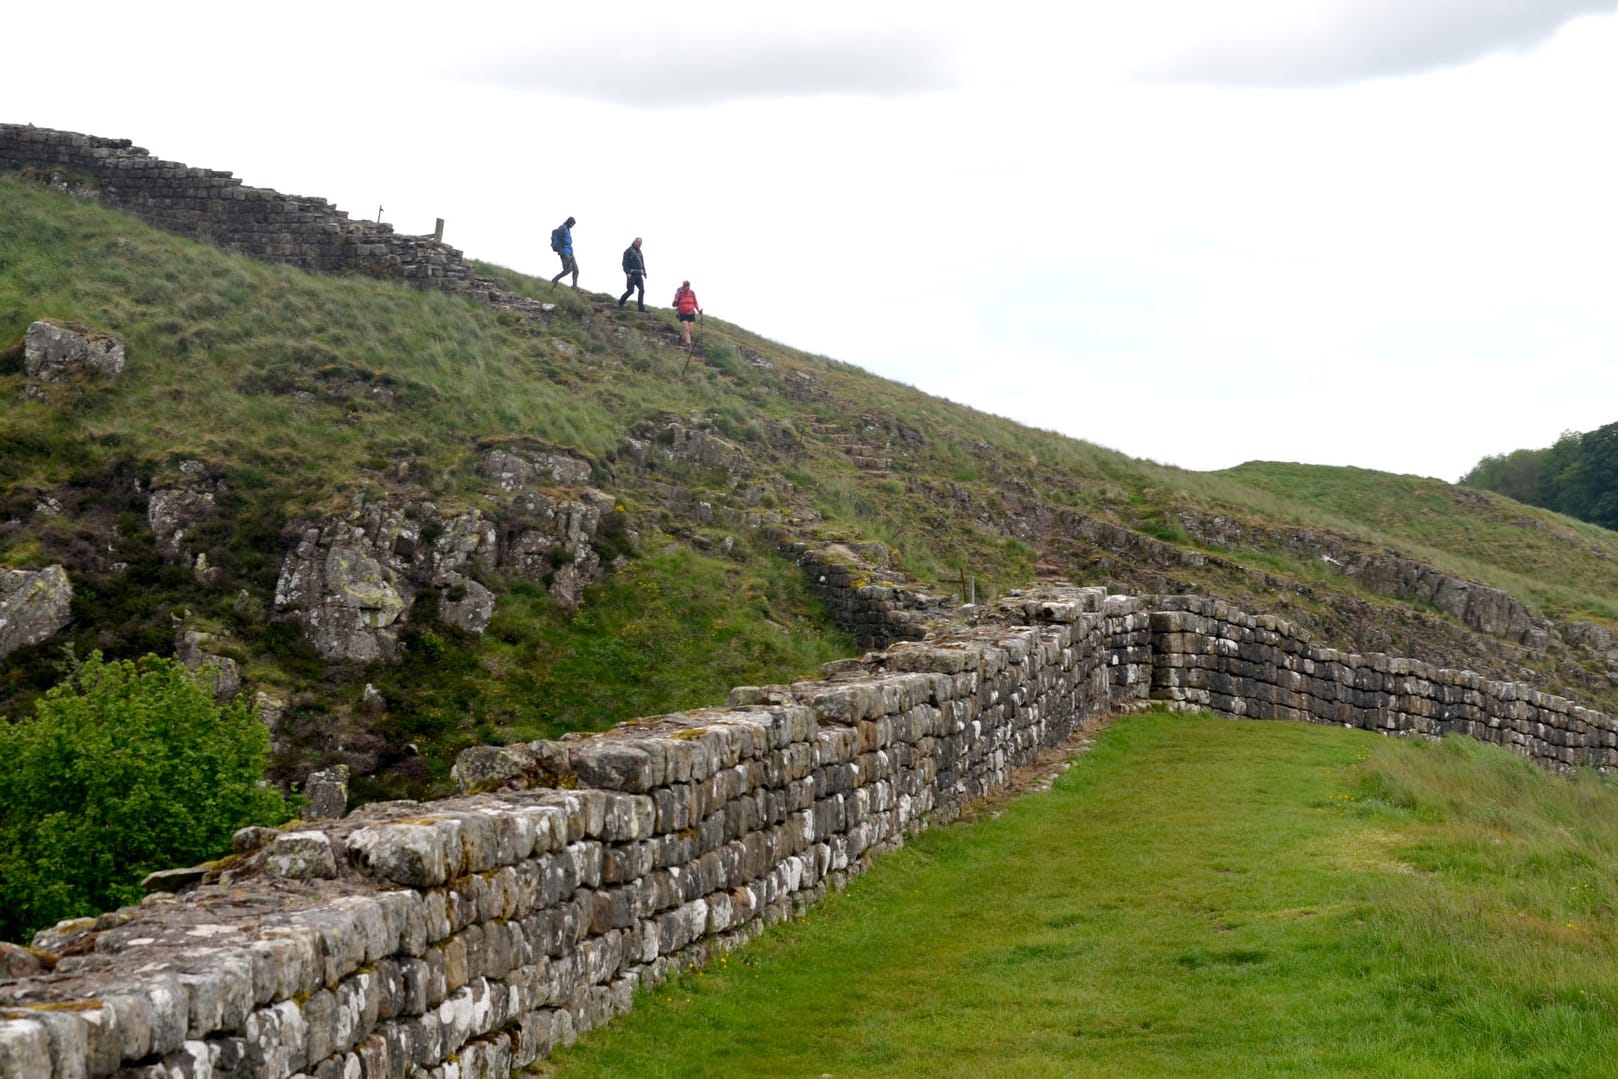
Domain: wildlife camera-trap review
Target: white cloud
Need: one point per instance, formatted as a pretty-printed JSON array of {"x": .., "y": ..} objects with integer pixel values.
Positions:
[
  {"x": 1341, "y": 41},
  {"x": 693, "y": 65}
]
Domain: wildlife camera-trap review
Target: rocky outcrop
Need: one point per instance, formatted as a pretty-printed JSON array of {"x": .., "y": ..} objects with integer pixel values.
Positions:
[
  {"x": 348, "y": 601},
  {"x": 174, "y": 509},
  {"x": 1476, "y": 606},
  {"x": 200, "y": 651},
  {"x": 61, "y": 352},
  {"x": 521, "y": 469},
  {"x": 677, "y": 441},
  {"x": 351, "y": 581},
  {"x": 34, "y": 606},
  {"x": 325, "y": 793}
]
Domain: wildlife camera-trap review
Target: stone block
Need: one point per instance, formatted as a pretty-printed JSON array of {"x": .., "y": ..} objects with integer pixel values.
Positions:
[{"x": 409, "y": 854}]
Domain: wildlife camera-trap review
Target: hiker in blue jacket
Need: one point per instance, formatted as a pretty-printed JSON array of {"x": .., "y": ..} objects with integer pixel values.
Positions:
[{"x": 562, "y": 244}]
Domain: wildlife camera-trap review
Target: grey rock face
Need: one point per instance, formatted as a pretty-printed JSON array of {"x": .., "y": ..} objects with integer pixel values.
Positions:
[
  {"x": 352, "y": 580},
  {"x": 553, "y": 543},
  {"x": 253, "y": 837},
  {"x": 18, "y": 962},
  {"x": 53, "y": 353},
  {"x": 34, "y": 606},
  {"x": 197, "y": 651},
  {"x": 271, "y": 711},
  {"x": 326, "y": 794},
  {"x": 468, "y": 605},
  {"x": 1476, "y": 606},
  {"x": 517, "y": 471},
  {"x": 676, "y": 441},
  {"x": 348, "y": 600},
  {"x": 174, "y": 511},
  {"x": 174, "y": 880}
]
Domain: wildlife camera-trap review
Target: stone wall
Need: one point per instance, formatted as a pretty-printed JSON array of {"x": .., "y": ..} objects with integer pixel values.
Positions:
[
  {"x": 214, "y": 207},
  {"x": 467, "y": 937},
  {"x": 1208, "y": 656},
  {"x": 864, "y": 599}
]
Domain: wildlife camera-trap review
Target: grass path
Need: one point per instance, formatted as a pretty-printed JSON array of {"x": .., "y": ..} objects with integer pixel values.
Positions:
[{"x": 1195, "y": 897}]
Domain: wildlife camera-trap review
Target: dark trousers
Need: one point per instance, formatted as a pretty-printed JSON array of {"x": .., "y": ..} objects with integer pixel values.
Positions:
[
  {"x": 636, "y": 280},
  {"x": 569, "y": 266}
]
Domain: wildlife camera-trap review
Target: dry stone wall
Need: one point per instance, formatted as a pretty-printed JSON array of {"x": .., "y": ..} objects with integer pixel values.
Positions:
[
  {"x": 1207, "y": 655},
  {"x": 465, "y": 938},
  {"x": 213, "y": 206},
  {"x": 864, "y": 599}
]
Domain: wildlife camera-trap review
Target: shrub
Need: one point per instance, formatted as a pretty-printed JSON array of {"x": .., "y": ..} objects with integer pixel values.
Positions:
[{"x": 126, "y": 768}]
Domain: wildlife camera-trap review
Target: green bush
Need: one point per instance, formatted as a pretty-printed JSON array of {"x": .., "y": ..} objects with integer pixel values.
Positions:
[{"x": 126, "y": 768}]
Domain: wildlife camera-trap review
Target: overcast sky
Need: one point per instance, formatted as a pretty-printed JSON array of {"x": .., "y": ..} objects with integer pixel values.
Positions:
[{"x": 1380, "y": 233}]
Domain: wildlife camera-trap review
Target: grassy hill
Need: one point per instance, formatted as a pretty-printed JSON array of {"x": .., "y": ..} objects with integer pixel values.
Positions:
[{"x": 305, "y": 398}]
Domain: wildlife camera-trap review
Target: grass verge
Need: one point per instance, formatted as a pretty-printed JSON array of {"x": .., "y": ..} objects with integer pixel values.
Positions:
[{"x": 1195, "y": 897}]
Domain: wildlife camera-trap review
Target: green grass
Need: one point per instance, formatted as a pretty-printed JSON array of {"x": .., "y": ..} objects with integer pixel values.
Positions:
[
  {"x": 1563, "y": 566},
  {"x": 306, "y": 392},
  {"x": 1196, "y": 897},
  {"x": 332, "y": 381},
  {"x": 674, "y": 629}
]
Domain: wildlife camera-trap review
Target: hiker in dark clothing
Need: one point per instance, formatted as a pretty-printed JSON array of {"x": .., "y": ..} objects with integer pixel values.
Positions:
[
  {"x": 686, "y": 310},
  {"x": 562, "y": 244},
  {"x": 635, "y": 272}
]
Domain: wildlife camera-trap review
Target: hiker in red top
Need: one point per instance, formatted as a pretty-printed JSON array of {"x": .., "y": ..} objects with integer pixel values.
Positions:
[{"x": 685, "y": 303}]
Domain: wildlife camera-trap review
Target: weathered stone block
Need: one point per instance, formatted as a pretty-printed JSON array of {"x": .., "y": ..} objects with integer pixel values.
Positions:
[
  {"x": 410, "y": 854},
  {"x": 305, "y": 855}
]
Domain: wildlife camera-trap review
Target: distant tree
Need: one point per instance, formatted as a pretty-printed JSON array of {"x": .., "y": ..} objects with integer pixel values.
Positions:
[
  {"x": 1518, "y": 474},
  {"x": 126, "y": 768},
  {"x": 1598, "y": 451},
  {"x": 1562, "y": 486},
  {"x": 1578, "y": 475}
]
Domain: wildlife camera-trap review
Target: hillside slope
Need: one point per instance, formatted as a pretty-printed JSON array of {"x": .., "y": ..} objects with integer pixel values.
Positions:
[{"x": 410, "y": 521}]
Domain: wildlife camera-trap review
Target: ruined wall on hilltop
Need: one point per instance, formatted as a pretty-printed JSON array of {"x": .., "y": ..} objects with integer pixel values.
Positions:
[
  {"x": 865, "y": 600},
  {"x": 214, "y": 207}
]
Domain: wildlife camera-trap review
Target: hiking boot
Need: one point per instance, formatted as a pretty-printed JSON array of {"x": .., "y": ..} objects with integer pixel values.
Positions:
[
  {"x": 620, "y": 304},
  {"x": 641, "y": 306}
]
